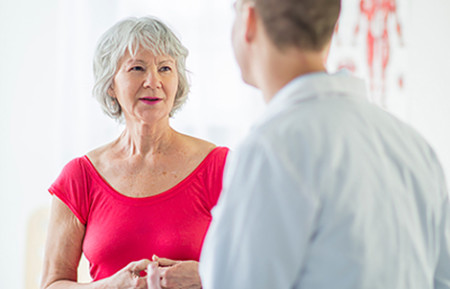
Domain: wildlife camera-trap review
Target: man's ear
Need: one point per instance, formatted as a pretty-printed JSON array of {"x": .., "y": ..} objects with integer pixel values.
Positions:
[{"x": 250, "y": 20}]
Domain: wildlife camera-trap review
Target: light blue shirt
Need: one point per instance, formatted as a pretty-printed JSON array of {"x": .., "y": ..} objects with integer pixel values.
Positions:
[{"x": 329, "y": 192}]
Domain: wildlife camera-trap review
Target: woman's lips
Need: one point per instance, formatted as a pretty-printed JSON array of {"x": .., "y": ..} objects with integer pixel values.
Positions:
[{"x": 150, "y": 100}]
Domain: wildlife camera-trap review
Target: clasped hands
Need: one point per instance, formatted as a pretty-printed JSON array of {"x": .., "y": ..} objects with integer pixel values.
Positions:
[{"x": 162, "y": 273}]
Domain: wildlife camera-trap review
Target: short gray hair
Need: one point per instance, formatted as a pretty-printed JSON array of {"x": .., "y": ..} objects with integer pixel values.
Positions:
[{"x": 132, "y": 33}]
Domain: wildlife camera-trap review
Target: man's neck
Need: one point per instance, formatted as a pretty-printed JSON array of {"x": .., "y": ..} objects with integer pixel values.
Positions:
[{"x": 279, "y": 68}]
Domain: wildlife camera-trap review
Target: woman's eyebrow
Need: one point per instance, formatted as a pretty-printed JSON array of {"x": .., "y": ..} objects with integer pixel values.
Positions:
[
  {"x": 141, "y": 61},
  {"x": 134, "y": 60},
  {"x": 166, "y": 61}
]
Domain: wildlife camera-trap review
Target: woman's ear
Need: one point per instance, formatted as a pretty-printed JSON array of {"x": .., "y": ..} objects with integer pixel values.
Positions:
[{"x": 111, "y": 92}]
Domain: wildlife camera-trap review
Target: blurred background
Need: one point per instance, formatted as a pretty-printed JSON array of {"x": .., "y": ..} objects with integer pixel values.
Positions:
[{"x": 48, "y": 116}]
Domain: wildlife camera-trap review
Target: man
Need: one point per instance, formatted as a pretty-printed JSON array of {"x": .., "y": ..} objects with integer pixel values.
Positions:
[{"x": 327, "y": 190}]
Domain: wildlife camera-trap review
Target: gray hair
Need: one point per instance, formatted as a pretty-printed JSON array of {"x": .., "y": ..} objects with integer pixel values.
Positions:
[{"x": 132, "y": 33}]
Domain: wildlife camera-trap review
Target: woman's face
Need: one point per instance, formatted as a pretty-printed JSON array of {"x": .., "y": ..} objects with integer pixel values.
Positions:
[{"x": 145, "y": 86}]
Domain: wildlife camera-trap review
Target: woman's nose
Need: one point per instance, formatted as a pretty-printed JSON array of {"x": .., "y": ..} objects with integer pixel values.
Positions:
[{"x": 152, "y": 80}]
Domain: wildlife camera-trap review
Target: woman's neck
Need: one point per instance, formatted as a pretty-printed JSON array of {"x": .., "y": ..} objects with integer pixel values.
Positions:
[{"x": 142, "y": 139}]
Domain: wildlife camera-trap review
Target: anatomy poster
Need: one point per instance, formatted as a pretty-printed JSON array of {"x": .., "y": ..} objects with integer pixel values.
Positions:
[{"x": 370, "y": 42}]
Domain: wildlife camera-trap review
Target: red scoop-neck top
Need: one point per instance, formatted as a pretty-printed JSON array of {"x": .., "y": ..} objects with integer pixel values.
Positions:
[{"x": 122, "y": 229}]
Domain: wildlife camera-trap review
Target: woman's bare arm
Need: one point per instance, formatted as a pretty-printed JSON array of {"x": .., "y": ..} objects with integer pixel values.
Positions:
[
  {"x": 63, "y": 247},
  {"x": 63, "y": 252}
]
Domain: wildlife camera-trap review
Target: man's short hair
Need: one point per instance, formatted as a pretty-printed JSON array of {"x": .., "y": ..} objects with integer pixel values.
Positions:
[{"x": 306, "y": 24}]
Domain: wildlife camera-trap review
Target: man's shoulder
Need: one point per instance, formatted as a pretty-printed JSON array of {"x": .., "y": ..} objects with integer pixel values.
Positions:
[{"x": 324, "y": 125}]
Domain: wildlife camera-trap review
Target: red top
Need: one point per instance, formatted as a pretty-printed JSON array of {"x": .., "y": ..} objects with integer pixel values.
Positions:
[{"x": 121, "y": 229}]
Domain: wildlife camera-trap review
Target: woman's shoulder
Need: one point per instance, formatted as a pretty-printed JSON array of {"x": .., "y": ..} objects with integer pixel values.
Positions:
[
  {"x": 203, "y": 149},
  {"x": 198, "y": 144},
  {"x": 98, "y": 152},
  {"x": 99, "y": 155},
  {"x": 75, "y": 165},
  {"x": 203, "y": 152}
]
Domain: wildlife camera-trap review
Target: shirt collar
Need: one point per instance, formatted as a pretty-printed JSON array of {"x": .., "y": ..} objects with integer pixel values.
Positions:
[{"x": 314, "y": 85}]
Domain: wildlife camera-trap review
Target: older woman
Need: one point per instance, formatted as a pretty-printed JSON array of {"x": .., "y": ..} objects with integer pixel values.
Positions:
[{"x": 148, "y": 193}]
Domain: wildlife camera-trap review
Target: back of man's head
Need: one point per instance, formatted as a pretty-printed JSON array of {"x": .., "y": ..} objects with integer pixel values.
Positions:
[{"x": 305, "y": 24}]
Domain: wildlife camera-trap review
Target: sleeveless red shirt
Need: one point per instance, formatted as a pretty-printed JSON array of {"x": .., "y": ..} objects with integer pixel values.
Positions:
[{"x": 121, "y": 229}]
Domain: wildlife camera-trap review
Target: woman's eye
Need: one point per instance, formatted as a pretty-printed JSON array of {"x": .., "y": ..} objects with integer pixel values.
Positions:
[
  {"x": 137, "y": 68},
  {"x": 165, "y": 68}
]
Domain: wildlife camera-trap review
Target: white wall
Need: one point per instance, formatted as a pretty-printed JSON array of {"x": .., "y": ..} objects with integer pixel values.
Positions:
[
  {"x": 27, "y": 70},
  {"x": 429, "y": 75},
  {"x": 48, "y": 117}
]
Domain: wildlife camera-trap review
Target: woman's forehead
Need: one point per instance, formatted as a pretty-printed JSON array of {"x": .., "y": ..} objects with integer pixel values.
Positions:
[{"x": 145, "y": 55}]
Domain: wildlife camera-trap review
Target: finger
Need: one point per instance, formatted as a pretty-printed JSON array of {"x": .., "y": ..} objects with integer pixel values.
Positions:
[
  {"x": 162, "y": 271},
  {"x": 138, "y": 266},
  {"x": 166, "y": 262},
  {"x": 141, "y": 283},
  {"x": 153, "y": 277}
]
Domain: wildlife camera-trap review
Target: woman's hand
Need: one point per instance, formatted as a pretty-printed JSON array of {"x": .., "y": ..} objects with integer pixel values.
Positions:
[
  {"x": 153, "y": 277},
  {"x": 177, "y": 274},
  {"x": 129, "y": 277}
]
